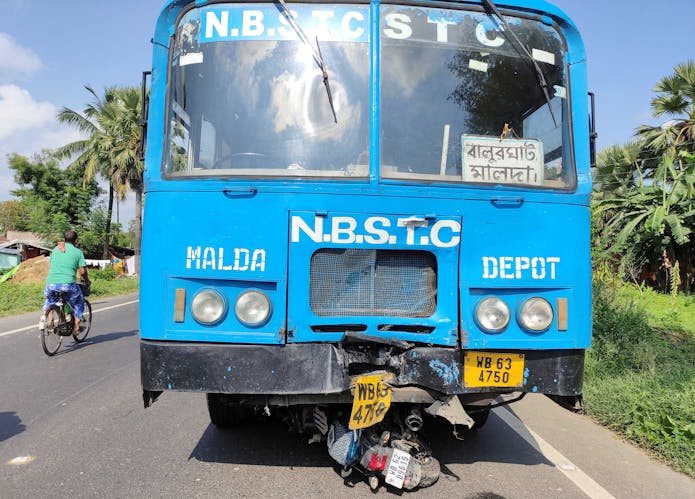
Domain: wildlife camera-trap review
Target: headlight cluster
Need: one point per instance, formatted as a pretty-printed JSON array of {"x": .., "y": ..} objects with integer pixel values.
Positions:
[
  {"x": 252, "y": 307},
  {"x": 492, "y": 314},
  {"x": 208, "y": 306},
  {"x": 534, "y": 315}
]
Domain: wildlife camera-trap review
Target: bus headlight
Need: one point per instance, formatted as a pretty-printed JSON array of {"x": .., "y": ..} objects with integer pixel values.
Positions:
[
  {"x": 536, "y": 314},
  {"x": 252, "y": 308},
  {"x": 492, "y": 314},
  {"x": 208, "y": 306}
]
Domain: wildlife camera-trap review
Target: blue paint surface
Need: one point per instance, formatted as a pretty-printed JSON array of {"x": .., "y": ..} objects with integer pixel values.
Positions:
[
  {"x": 448, "y": 374},
  {"x": 190, "y": 213}
]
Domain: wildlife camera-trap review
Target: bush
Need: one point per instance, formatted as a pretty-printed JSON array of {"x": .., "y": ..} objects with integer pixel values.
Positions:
[{"x": 106, "y": 274}]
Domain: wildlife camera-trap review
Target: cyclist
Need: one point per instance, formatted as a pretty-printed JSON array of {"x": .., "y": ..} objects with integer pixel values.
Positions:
[{"x": 66, "y": 263}]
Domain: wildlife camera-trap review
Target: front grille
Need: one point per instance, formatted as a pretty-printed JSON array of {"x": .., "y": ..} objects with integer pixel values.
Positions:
[{"x": 364, "y": 282}]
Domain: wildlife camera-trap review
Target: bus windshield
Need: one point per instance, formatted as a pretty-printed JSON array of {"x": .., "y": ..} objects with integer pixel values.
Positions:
[
  {"x": 463, "y": 97},
  {"x": 462, "y": 101},
  {"x": 248, "y": 97}
]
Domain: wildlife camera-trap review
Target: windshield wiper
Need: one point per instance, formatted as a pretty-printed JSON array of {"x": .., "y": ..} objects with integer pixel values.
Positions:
[
  {"x": 315, "y": 52},
  {"x": 490, "y": 4}
]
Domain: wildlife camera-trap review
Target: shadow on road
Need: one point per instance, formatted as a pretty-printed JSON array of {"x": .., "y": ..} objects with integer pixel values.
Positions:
[
  {"x": 93, "y": 340},
  {"x": 269, "y": 443},
  {"x": 265, "y": 442},
  {"x": 10, "y": 425},
  {"x": 494, "y": 443}
]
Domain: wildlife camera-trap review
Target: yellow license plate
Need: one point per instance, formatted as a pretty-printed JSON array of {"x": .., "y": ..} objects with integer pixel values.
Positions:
[
  {"x": 483, "y": 369},
  {"x": 371, "y": 401}
]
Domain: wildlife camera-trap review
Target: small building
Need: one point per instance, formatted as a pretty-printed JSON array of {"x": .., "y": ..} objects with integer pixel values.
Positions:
[
  {"x": 9, "y": 258},
  {"x": 25, "y": 244}
]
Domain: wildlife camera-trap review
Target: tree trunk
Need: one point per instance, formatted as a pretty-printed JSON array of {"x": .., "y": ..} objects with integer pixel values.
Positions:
[
  {"x": 138, "y": 227},
  {"x": 106, "y": 254},
  {"x": 686, "y": 267}
]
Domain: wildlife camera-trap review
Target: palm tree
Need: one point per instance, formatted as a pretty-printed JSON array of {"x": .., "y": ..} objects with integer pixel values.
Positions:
[
  {"x": 646, "y": 189},
  {"x": 674, "y": 100},
  {"x": 670, "y": 149},
  {"x": 127, "y": 166},
  {"x": 618, "y": 169},
  {"x": 93, "y": 153}
]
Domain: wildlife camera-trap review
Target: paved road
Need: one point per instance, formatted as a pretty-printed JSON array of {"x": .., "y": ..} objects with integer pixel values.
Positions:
[{"x": 73, "y": 426}]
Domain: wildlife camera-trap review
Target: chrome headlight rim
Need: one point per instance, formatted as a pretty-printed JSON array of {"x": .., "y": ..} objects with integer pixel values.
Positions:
[
  {"x": 241, "y": 314},
  {"x": 492, "y": 303},
  {"x": 524, "y": 312},
  {"x": 221, "y": 302}
]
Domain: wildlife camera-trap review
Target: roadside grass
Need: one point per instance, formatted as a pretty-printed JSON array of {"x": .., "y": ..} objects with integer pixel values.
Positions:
[
  {"x": 640, "y": 371},
  {"x": 668, "y": 314},
  {"x": 18, "y": 298}
]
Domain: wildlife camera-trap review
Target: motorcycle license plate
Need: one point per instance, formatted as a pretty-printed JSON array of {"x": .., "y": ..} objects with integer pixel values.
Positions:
[
  {"x": 370, "y": 403},
  {"x": 483, "y": 369},
  {"x": 397, "y": 467}
]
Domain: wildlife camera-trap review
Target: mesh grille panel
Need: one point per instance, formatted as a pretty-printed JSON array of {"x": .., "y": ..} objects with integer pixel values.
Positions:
[{"x": 362, "y": 282}]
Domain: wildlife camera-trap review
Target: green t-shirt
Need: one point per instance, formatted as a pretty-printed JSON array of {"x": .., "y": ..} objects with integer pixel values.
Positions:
[{"x": 64, "y": 265}]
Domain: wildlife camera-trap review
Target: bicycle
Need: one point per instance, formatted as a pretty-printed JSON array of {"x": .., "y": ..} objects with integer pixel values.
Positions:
[{"x": 60, "y": 322}]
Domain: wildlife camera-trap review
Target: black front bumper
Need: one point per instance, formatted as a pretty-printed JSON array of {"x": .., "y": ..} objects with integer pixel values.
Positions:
[{"x": 326, "y": 368}]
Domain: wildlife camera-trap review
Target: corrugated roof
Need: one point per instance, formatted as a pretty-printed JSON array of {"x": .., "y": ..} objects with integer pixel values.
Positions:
[{"x": 9, "y": 244}]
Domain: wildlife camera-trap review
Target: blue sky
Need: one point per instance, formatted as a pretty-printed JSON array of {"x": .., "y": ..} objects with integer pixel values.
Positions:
[{"x": 50, "y": 49}]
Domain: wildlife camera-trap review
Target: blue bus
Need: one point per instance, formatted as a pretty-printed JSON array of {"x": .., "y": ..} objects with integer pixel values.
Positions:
[{"x": 357, "y": 211}]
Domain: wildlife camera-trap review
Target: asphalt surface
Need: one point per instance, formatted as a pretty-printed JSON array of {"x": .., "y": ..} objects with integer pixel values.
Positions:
[{"x": 73, "y": 425}]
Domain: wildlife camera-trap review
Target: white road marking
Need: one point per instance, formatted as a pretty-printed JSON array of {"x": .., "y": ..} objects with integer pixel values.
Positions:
[
  {"x": 19, "y": 460},
  {"x": 35, "y": 326},
  {"x": 569, "y": 469}
]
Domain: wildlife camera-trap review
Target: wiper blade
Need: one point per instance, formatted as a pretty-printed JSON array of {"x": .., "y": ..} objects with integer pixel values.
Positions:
[
  {"x": 326, "y": 83},
  {"x": 315, "y": 52},
  {"x": 542, "y": 83}
]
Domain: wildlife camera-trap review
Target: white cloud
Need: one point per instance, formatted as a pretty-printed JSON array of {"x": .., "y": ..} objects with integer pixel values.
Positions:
[
  {"x": 53, "y": 136},
  {"x": 20, "y": 112},
  {"x": 49, "y": 136},
  {"x": 26, "y": 128},
  {"x": 15, "y": 59}
]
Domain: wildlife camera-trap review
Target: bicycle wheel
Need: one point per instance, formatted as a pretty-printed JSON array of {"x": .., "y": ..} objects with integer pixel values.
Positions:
[
  {"x": 50, "y": 339},
  {"x": 85, "y": 323}
]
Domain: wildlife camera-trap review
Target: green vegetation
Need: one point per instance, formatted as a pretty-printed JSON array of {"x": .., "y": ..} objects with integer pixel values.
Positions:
[
  {"x": 105, "y": 274},
  {"x": 16, "y": 298},
  {"x": 51, "y": 200},
  {"x": 640, "y": 371},
  {"x": 672, "y": 316},
  {"x": 644, "y": 192},
  {"x": 112, "y": 126}
]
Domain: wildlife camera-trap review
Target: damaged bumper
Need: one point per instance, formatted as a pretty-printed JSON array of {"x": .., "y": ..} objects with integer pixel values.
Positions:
[{"x": 327, "y": 368}]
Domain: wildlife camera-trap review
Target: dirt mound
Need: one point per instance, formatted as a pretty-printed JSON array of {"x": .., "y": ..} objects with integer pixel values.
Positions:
[{"x": 32, "y": 270}]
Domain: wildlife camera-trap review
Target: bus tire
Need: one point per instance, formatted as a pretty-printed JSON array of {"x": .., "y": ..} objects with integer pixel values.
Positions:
[{"x": 226, "y": 415}]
